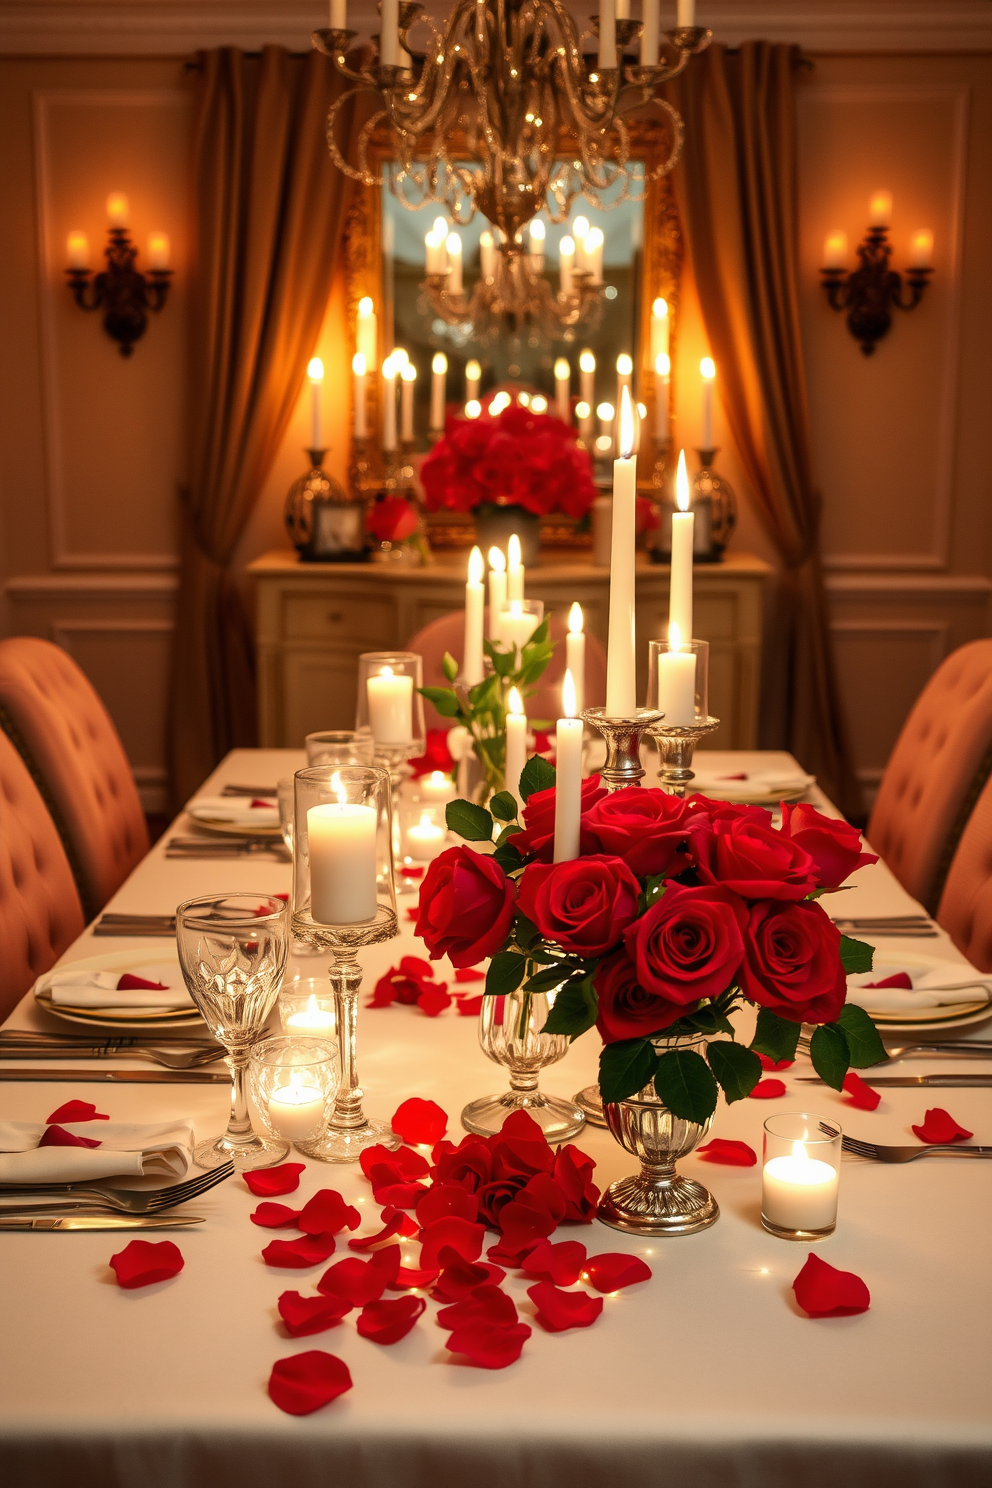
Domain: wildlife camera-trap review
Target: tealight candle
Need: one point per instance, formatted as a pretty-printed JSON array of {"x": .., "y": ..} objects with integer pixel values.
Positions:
[
  {"x": 799, "y": 1192},
  {"x": 516, "y": 743},
  {"x": 296, "y": 1110},
  {"x": 437, "y": 786},
  {"x": 390, "y": 697},
  {"x": 341, "y": 839},
  {"x": 425, "y": 839},
  {"x": 314, "y": 1020}
]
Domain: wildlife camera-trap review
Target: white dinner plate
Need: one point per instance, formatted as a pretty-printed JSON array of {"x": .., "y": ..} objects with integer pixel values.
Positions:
[
  {"x": 758, "y": 787},
  {"x": 153, "y": 965},
  {"x": 232, "y": 816},
  {"x": 927, "y": 1020}
]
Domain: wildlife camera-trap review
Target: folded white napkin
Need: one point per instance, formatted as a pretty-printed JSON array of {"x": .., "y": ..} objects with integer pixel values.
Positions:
[
  {"x": 755, "y": 783},
  {"x": 163, "y": 1152},
  {"x": 937, "y": 986},
  {"x": 98, "y": 989},
  {"x": 235, "y": 812}
]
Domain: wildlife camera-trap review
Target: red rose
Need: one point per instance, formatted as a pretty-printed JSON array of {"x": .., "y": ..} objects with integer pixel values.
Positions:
[
  {"x": 792, "y": 962},
  {"x": 538, "y": 836},
  {"x": 466, "y": 907},
  {"x": 689, "y": 944},
  {"x": 626, "y": 1009},
  {"x": 392, "y": 519},
  {"x": 493, "y": 1197},
  {"x": 469, "y": 1164},
  {"x": 583, "y": 906},
  {"x": 834, "y": 845},
  {"x": 755, "y": 861},
  {"x": 646, "y": 828}
]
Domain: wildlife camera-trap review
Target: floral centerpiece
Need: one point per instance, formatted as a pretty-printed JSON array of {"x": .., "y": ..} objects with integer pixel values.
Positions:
[{"x": 675, "y": 914}]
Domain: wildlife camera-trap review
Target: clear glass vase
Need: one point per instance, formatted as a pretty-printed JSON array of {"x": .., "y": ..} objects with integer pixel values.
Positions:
[{"x": 509, "y": 1033}]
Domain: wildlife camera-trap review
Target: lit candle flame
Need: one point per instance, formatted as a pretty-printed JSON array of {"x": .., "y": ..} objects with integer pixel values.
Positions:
[
  {"x": 315, "y": 369},
  {"x": 707, "y": 369},
  {"x": 606, "y": 412},
  {"x": 473, "y": 370},
  {"x": 473, "y": 408},
  {"x": 568, "y": 696},
  {"x": 799, "y": 1152},
  {"x": 539, "y": 403},
  {"x": 659, "y": 309},
  {"x": 627, "y": 424},
  {"x": 514, "y": 702},
  {"x": 338, "y": 788},
  {"x": 401, "y": 358},
  {"x": 516, "y": 609},
  {"x": 538, "y": 231},
  {"x": 663, "y": 364},
  {"x": 439, "y": 362},
  {"x": 313, "y": 1010},
  {"x": 581, "y": 227},
  {"x": 365, "y": 307},
  {"x": 440, "y": 228},
  {"x": 358, "y": 364},
  {"x": 582, "y": 410},
  {"x": 682, "y": 484},
  {"x": 674, "y": 637},
  {"x": 575, "y": 619},
  {"x": 476, "y": 567},
  {"x": 624, "y": 365},
  {"x": 425, "y": 819},
  {"x": 409, "y": 373},
  {"x": 389, "y": 368},
  {"x": 497, "y": 560},
  {"x": 562, "y": 370},
  {"x": 587, "y": 362},
  {"x": 513, "y": 552},
  {"x": 567, "y": 246}
]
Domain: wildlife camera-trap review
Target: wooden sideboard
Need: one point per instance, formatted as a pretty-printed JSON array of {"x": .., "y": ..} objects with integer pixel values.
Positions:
[{"x": 314, "y": 619}]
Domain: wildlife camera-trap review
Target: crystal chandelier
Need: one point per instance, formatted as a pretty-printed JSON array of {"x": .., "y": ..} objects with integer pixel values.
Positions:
[{"x": 502, "y": 113}]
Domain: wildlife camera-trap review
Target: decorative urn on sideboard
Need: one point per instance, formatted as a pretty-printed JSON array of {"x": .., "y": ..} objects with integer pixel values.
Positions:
[{"x": 325, "y": 525}]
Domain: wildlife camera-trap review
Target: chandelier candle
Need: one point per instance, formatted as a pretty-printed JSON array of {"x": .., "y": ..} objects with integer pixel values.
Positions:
[
  {"x": 579, "y": 233},
  {"x": 497, "y": 590},
  {"x": 563, "y": 377},
  {"x": 650, "y": 33},
  {"x": 621, "y": 689},
  {"x": 487, "y": 255},
  {"x": 575, "y": 660},
  {"x": 566, "y": 264},
  {"x": 367, "y": 332},
  {"x": 389, "y": 33},
  {"x": 568, "y": 782},
  {"x": 707, "y": 371},
  {"x": 437, "y": 253},
  {"x": 358, "y": 374},
  {"x": 607, "y": 36},
  {"x": 473, "y": 669},
  {"x": 389, "y": 404},
  {"x": 536, "y": 235},
  {"x": 683, "y": 522},
  {"x": 390, "y": 697},
  {"x": 473, "y": 376},
  {"x": 677, "y": 682},
  {"x": 315, "y": 372},
  {"x": 338, "y": 15},
  {"x": 341, "y": 841},
  {"x": 594, "y": 254},
  {"x": 454, "y": 247},
  {"x": 516, "y": 743},
  {"x": 587, "y": 378},
  {"x": 515, "y": 575},
  {"x": 659, "y": 329},
  {"x": 662, "y": 374},
  {"x": 439, "y": 372},
  {"x": 408, "y": 377}
]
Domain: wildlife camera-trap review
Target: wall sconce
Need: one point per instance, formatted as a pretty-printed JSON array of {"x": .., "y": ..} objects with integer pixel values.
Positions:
[
  {"x": 868, "y": 292},
  {"x": 121, "y": 291}
]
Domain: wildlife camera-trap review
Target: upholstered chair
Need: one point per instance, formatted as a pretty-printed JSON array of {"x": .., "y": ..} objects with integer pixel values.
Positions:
[
  {"x": 40, "y": 912},
  {"x": 966, "y": 903},
  {"x": 66, "y": 737},
  {"x": 939, "y": 763},
  {"x": 447, "y": 634}
]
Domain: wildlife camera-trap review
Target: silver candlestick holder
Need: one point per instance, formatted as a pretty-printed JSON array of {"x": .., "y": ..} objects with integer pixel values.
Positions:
[
  {"x": 623, "y": 744},
  {"x": 676, "y": 743}
]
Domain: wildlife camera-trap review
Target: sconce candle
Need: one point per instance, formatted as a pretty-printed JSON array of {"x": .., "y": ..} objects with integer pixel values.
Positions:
[
  {"x": 367, "y": 333},
  {"x": 158, "y": 251},
  {"x": 568, "y": 764},
  {"x": 408, "y": 376},
  {"x": 454, "y": 247},
  {"x": 707, "y": 371},
  {"x": 683, "y": 522},
  {"x": 77, "y": 249},
  {"x": 341, "y": 841},
  {"x": 835, "y": 250},
  {"x": 516, "y": 743},
  {"x": 575, "y": 660},
  {"x": 389, "y": 404},
  {"x": 662, "y": 373},
  {"x": 563, "y": 378},
  {"x": 566, "y": 264},
  {"x": 497, "y": 590},
  {"x": 473, "y": 376},
  {"x": 650, "y": 33},
  {"x": 921, "y": 249},
  {"x": 315, "y": 372},
  {"x": 358, "y": 373},
  {"x": 473, "y": 668},
  {"x": 390, "y": 698},
  {"x": 659, "y": 329},
  {"x": 118, "y": 209},
  {"x": 621, "y": 691},
  {"x": 515, "y": 569},
  {"x": 439, "y": 371},
  {"x": 880, "y": 209}
]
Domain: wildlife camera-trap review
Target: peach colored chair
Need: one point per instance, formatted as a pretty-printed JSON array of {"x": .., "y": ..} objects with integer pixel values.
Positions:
[
  {"x": 447, "y": 633},
  {"x": 65, "y": 735},
  {"x": 966, "y": 903},
  {"x": 40, "y": 912},
  {"x": 933, "y": 767}
]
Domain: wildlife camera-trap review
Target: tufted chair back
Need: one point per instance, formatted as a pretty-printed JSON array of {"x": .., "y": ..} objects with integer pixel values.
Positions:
[
  {"x": 40, "y": 912},
  {"x": 966, "y": 903},
  {"x": 66, "y": 737},
  {"x": 940, "y": 752}
]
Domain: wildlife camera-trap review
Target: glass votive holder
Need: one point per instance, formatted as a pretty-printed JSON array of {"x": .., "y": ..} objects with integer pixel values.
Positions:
[
  {"x": 343, "y": 853},
  {"x": 286, "y": 796},
  {"x": 424, "y": 832},
  {"x": 800, "y": 1175},
  {"x": 390, "y": 706},
  {"x": 517, "y": 621},
  {"x": 340, "y": 747},
  {"x": 306, "y": 1008},
  {"x": 678, "y": 682},
  {"x": 437, "y": 788},
  {"x": 293, "y": 1083}
]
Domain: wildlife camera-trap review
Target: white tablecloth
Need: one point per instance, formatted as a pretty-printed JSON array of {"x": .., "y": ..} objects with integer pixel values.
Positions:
[{"x": 709, "y": 1374}]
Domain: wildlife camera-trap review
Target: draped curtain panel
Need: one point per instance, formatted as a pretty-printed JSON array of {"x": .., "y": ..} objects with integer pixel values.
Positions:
[
  {"x": 269, "y": 210},
  {"x": 739, "y": 189}
]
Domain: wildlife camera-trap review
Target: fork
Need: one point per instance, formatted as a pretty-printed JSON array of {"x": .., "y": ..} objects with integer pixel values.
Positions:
[
  {"x": 101, "y": 1195},
  {"x": 175, "y": 1059},
  {"x": 975, "y": 1047},
  {"x": 856, "y": 1148}
]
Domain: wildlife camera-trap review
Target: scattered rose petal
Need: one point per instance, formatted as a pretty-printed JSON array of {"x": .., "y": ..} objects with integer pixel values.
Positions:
[
  {"x": 612, "y": 1271},
  {"x": 459, "y": 1277},
  {"x": 524, "y": 1221},
  {"x": 295, "y": 1255},
  {"x": 768, "y": 1063},
  {"x": 305, "y": 1382},
  {"x": 130, "y": 983},
  {"x": 403, "y": 1163},
  {"x": 722, "y": 1150},
  {"x": 940, "y": 1127},
  {"x": 507, "y": 1257},
  {"x": 266, "y": 804},
  {"x": 399, "y": 1195},
  {"x": 768, "y": 1090},
  {"x": 411, "y": 870},
  {"x": 57, "y": 1136},
  {"x": 443, "y": 1200},
  {"x": 557, "y": 1310},
  {"x": 572, "y": 1173},
  {"x": 388, "y": 1322},
  {"x": 393, "y": 1226},
  {"x": 861, "y": 1094},
  {"x": 562, "y": 1263},
  {"x": 433, "y": 1000},
  {"x": 470, "y": 1007},
  {"x": 143, "y": 1261},
  {"x": 274, "y": 1216},
  {"x": 489, "y": 1347},
  {"x": 823, "y": 1291},
  {"x": 388, "y": 1261},
  {"x": 898, "y": 979},
  {"x": 358, "y": 1282},
  {"x": 410, "y": 1277},
  {"x": 470, "y": 974},
  {"x": 413, "y": 912},
  {"x": 418, "y": 1120},
  {"x": 328, "y": 1214},
  {"x": 76, "y": 1110},
  {"x": 268, "y": 1183},
  {"x": 305, "y": 1315},
  {"x": 484, "y": 1304},
  {"x": 460, "y": 1234}
]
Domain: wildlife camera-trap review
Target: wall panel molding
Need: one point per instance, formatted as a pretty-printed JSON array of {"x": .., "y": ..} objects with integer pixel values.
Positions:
[{"x": 77, "y": 586}]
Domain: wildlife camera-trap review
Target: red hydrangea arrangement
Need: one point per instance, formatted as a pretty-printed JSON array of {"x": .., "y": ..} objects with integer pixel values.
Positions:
[
  {"x": 676, "y": 913},
  {"x": 518, "y": 458}
]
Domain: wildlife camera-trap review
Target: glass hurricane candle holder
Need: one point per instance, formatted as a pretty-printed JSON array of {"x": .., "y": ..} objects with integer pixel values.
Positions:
[
  {"x": 800, "y": 1175},
  {"x": 340, "y": 747},
  {"x": 423, "y": 832},
  {"x": 344, "y": 897},
  {"x": 510, "y": 1035},
  {"x": 390, "y": 707},
  {"x": 517, "y": 621},
  {"x": 293, "y": 1084},
  {"x": 678, "y": 682},
  {"x": 306, "y": 1008}
]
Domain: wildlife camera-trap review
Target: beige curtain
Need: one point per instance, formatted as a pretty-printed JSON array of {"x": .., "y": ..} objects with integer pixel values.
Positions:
[
  {"x": 739, "y": 186},
  {"x": 269, "y": 209}
]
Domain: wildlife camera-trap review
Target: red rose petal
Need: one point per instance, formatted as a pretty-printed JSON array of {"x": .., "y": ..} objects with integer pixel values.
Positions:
[
  {"x": 399, "y": 1195},
  {"x": 268, "y": 1183},
  {"x": 274, "y": 1216},
  {"x": 502, "y": 1252},
  {"x": 562, "y": 1263},
  {"x": 410, "y": 870},
  {"x": 523, "y": 1223},
  {"x": 459, "y": 1277},
  {"x": 413, "y": 913},
  {"x": 470, "y": 1007},
  {"x": 898, "y": 979},
  {"x": 296, "y": 1255},
  {"x": 443, "y": 1200},
  {"x": 393, "y": 1226},
  {"x": 76, "y": 1110},
  {"x": 416, "y": 967},
  {"x": 470, "y": 974},
  {"x": 387, "y": 1260},
  {"x": 735, "y": 1154},
  {"x": 771, "y": 1064},
  {"x": 940, "y": 1127},
  {"x": 523, "y": 1128},
  {"x": 557, "y": 1310},
  {"x": 489, "y": 1347},
  {"x": 358, "y": 1282},
  {"x": 404, "y": 1162},
  {"x": 57, "y": 1136},
  {"x": 266, "y": 804},
  {"x": 433, "y": 1001},
  {"x": 768, "y": 1090},
  {"x": 861, "y": 1094},
  {"x": 461, "y": 1234},
  {"x": 305, "y": 1315},
  {"x": 307, "y": 1381},
  {"x": 419, "y": 1121},
  {"x": 408, "y": 1277},
  {"x": 823, "y": 1291},
  {"x": 328, "y": 1214},
  {"x": 484, "y": 1304},
  {"x": 388, "y": 1322},
  {"x": 143, "y": 1261},
  {"x": 130, "y": 983},
  {"x": 572, "y": 1173},
  {"x": 612, "y": 1271}
]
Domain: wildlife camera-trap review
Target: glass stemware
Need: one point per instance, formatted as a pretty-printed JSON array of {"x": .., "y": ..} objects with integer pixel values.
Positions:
[
  {"x": 232, "y": 950},
  {"x": 509, "y": 1033}
]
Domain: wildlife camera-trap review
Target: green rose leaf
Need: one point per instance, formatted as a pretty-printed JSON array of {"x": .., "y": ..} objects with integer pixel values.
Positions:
[
  {"x": 625, "y": 1068},
  {"x": 551, "y": 977},
  {"x": 525, "y": 932},
  {"x": 686, "y": 1085},
  {"x": 504, "y": 806},
  {"x": 507, "y": 857},
  {"x": 540, "y": 635},
  {"x": 855, "y": 955},
  {"x": 737, "y": 1069},
  {"x": 863, "y": 1042},
  {"x": 503, "y": 663},
  {"x": 506, "y": 972},
  {"x": 467, "y": 820},
  {"x": 444, "y": 700},
  {"x": 829, "y": 1052},
  {"x": 775, "y": 1036},
  {"x": 574, "y": 1009},
  {"x": 536, "y": 775},
  {"x": 449, "y": 666},
  {"x": 511, "y": 830}
]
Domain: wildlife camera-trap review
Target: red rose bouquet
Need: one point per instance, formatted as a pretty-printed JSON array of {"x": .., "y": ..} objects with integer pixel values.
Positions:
[
  {"x": 675, "y": 914},
  {"x": 519, "y": 458}
]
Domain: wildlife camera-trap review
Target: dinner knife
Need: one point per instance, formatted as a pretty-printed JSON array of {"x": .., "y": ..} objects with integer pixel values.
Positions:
[
  {"x": 10, "y": 1221},
  {"x": 914, "y": 1082},
  {"x": 118, "y": 1076}
]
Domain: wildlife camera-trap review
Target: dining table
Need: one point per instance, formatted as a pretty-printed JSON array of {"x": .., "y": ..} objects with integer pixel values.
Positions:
[{"x": 707, "y": 1374}]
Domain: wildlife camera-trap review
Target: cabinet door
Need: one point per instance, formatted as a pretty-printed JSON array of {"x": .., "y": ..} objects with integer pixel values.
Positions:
[{"x": 318, "y": 693}]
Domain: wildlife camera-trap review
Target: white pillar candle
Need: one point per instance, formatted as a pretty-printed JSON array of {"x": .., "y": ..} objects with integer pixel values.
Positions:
[
  {"x": 77, "y": 248},
  {"x": 439, "y": 373},
  {"x": 315, "y": 372},
  {"x": 314, "y": 1020},
  {"x": 566, "y": 264},
  {"x": 835, "y": 250},
  {"x": 880, "y": 209},
  {"x": 389, "y": 33},
  {"x": 536, "y": 235},
  {"x": 563, "y": 379},
  {"x": 568, "y": 783},
  {"x": 650, "y": 33},
  {"x": 118, "y": 209},
  {"x": 338, "y": 15},
  {"x": 473, "y": 669},
  {"x": 358, "y": 375},
  {"x": 607, "y": 35},
  {"x": 677, "y": 681},
  {"x": 454, "y": 247},
  {"x": 389, "y": 404},
  {"x": 659, "y": 329},
  {"x": 686, "y": 13},
  {"x": 587, "y": 378},
  {"x": 473, "y": 376},
  {"x": 683, "y": 521},
  {"x": 341, "y": 841},
  {"x": 367, "y": 332},
  {"x": 516, "y": 743},
  {"x": 575, "y": 658},
  {"x": 425, "y": 839},
  {"x": 516, "y": 625},
  {"x": 707, "y": 371},
  {"x": 497, "y": 591},
  {"x": 621, "y": 685},
  {"x": 515, "y": 569},
  {"x": 487, "y": 255},
  {"x": 799, "y": 1192},
  {"x": 158, "y": 250},
  {"x": 921, "y": 249},
  {"x": 437, "y": 786},
  {"x": 296, "y": 1109},
  {"x": 408, "y": 377},
  {"x": 594, "y": 254},
  {"x": 662, "y": 375},
  {"x": 390, "y": 698}
]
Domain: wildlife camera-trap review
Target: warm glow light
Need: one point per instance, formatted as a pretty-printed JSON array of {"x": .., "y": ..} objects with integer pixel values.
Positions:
[
  {"x": 682, "y": 484},
  {"x": 568, "y": 696},
  {"x": 587, "y": 362},
  {"x": 485, "y": 240},
  {"x": 674, "y": 637},
  {"x": 880, "y": 209},
  {"x": 581, "y": 228},
  {"x": 454, "y": 245},
  {"x": 659, "y": 309},
  {"x": 575, "y": 619},
  {"x": 440, "y": 228},
  {"x": 642, "y": 410},
  {"x": 497, "y": 560},
  {"x": 409, "y": 373},
  {"x": 473, "y": 371},
  {"x": 513, "y": 551},
  {"x": 539, "y": 403},
  {"x": 594, "y": 239},
  {"x": 358, "y": 364},
  {"x": 538, "y": 232},
  {"x": 604, "y": 442},
  {"x": 707, "y": 369},
  {"x": 582, "y": 411},
  {"x": 624, "y": 365},
  {"x": 476, "y": 566},
  {"x": 514, "y": 703},
  {"x": 439, "y": 362},
  {"x": 799, "y": 1152},
  {"x": 606, "y": 412},
  {"x": 365, "y": 307},
  {"x": 315, "y": 369},
  {"x": 501, "y": 401},
  {"x": 401, "y": 358},
  {"x": 523, "y": 399},
  {"x": 338, "y": 789},
  {"x": 627, "y": 425},
  {"x": 389, "y": 367},
  {"x": 562, "y": 370},
  {"x": 473, "y": 408},
  {"x": 662, "y": 364},
  {"x": 567, "y": 246},
  {"x": 118, "y": 209}
]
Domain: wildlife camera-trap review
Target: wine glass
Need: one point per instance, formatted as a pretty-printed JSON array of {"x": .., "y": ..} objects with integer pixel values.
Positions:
[{"x": 232, "y": 950}]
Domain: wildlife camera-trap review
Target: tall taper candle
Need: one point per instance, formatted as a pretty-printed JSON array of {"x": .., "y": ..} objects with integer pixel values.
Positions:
[
  {"x": 662, "y": 374},
  {"x": 338, "y": 15},
  {"x": 649, "y": 33},
  {"x": 367, "y": 332},
  {"x": 568, "y": 783},
  {"x": 454, "y": 247},
  {"x": 563, "y": 378},
  {"x": 358, "y": 374},
  {"x": 497, "y": 590},
  {"x": 680, "y": 604},
  {"x": 473, "y": 669},
  {"x": 621, "y": 684},
  {"x": 389, "y": 33},
  {"x": 587, "y": 378},
  {"x": 607, "y": 35},
  {"x": 566, "y": 264},
  {"x": 439, "y": 371},
  {"x": 575, "y": 656},
  {"x": 389, "y": 404},
  {"x": 707, "y": 371},
  {"x": 473, "y": 377},
  {"x": 515, "y": 567},
  {"x": 516, "y": 743},
  {"x": 315, "y": 372},
  {"x": 408, "y": 377}
]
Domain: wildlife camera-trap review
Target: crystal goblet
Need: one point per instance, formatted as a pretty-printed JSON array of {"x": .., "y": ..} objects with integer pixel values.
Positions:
[{"x": 509, "y": 1033}]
